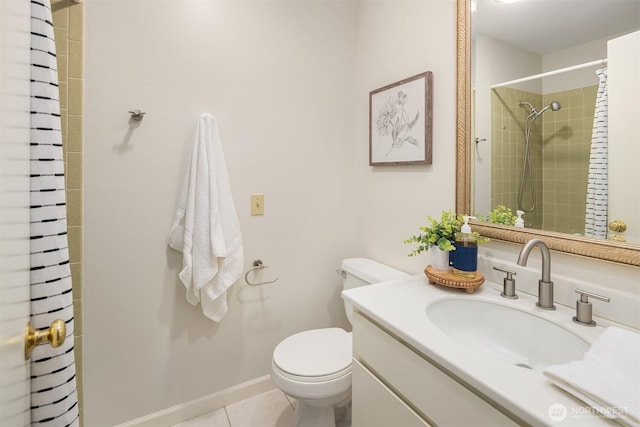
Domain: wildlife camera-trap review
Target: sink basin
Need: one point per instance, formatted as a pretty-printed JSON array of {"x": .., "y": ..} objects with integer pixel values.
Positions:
[{"x": 515, "y": 336}]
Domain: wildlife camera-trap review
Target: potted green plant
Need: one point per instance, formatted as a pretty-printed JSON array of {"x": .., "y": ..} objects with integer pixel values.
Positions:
[
  {"x": 438, "y": 238},
  {"x": 502, "y": 215}
]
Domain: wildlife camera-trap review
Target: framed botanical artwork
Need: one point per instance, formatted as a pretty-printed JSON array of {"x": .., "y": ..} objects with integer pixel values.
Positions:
[{"x": 400, "y": 122}]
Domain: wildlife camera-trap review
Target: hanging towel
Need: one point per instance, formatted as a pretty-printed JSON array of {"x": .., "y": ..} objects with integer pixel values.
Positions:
[
  {"x": 608, "y": 377},
  {"x": 206, "y": 229}
]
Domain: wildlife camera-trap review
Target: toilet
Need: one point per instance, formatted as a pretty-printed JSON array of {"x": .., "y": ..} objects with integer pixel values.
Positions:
[{"x": 314, "y": 367}]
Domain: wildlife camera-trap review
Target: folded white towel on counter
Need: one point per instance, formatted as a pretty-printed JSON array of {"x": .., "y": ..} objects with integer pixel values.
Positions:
[
  {"x": 206, "y": 228},
  {"x": 608, "y": 377}
]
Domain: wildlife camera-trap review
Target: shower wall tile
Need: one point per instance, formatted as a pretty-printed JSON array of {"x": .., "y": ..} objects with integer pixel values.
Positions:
[
  {"x": 61, "y": 38},
  {"x": 74, "y": 208},
  {"x": 63, "y": 87},
  {"x": 60, "y": 13},
  {"x": 64, "y": 128},
  {"x": 78, "y": 344},
  {"x": 63, "y": 70},
  {"x": 77, "y": 317},
  {"x": 74, "y": 173},
  {"x": 75, "y": 242},
  {"x": 570, "y": 137},
  {"x": 74, "y": 133},
  {"x": 68, "y": 22},
  {"x": 76, "y": 277},
  {"x": 560, "y": 145},
  {"x": 75, "y": 96},
  {"x": 76, "y": 21},
  {"x": 507, "y": 147},
  {"x": 75, "y": 59}
]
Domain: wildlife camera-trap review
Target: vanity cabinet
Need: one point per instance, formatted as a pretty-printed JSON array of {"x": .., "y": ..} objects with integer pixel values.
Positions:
[
  {"x": 375, "y": 405},
  {"x": 395, "y": 385}
]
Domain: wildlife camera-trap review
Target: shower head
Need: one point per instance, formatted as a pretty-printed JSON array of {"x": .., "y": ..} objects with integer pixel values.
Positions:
[{"x": 555, "y": 106}]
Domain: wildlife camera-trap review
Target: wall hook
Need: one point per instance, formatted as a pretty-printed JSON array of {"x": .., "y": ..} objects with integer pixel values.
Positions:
[
  {"x": 137, "y": 114},
  {"x": 257, "y": 265}
]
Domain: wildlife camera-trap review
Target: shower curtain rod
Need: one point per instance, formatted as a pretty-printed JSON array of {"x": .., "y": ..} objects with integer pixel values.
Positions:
[{"x": 602, "y": 62}]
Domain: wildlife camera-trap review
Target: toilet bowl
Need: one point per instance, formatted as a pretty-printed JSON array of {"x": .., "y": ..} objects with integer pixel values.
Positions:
[{"x": 314, "y": 367}]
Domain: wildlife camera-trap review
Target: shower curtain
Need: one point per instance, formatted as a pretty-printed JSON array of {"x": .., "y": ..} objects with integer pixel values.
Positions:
[
  {"x": 597, "y": 193},
  {"x": 54, "y": 400}
]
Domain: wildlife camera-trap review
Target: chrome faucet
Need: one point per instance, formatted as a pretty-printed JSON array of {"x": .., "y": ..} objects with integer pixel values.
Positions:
[{"x": 545, "y": 285}]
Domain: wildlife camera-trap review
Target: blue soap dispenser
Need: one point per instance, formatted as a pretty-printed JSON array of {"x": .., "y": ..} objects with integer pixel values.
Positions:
[{"x": 465, "y": 258}]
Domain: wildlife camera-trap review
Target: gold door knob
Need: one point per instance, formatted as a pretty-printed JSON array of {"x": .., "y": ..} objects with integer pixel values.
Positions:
[
  {"x": 55, "y": 336},
  {"x": 618, "y": 226}
]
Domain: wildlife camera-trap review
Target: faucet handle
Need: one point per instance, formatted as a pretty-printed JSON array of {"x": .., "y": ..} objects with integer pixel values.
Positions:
[
  {"x": 504, "y": 270},
  {"x": 584, "y": 309},
  {"x": 508, "y": 283}
]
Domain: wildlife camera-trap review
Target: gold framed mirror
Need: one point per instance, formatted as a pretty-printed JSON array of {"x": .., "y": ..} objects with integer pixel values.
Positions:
[{"x": 619, "y": 252}]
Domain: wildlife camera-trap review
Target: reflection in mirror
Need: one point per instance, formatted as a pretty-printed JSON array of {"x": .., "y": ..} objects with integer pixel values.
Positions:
[
  {"x": 551, "y": 108},
  {"x": 540, "y": 159}
]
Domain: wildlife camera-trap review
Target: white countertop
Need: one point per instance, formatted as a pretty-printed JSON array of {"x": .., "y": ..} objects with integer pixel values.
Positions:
[{"x": 400, "y": 306}]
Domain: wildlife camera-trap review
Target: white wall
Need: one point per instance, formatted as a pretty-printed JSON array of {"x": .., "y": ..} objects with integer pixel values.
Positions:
[
  {"x": 278, "y": 76},
  {"x": 575, "y": 55},
  {"x": 624, "y": 131},
  {"x": 289, "y": 84},
  {"x": 398, "y": 40}
]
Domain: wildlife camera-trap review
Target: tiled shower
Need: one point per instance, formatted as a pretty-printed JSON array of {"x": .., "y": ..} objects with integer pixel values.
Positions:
[
  {"x": 68, "y": 22},
  {"x": 560, "y": 146}
]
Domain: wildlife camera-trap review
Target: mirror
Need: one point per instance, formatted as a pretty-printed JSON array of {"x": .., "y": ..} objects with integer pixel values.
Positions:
[{"x": 621, "y": 252}]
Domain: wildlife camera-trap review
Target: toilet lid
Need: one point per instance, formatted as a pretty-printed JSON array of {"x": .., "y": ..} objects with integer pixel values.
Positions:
[{"x": 314, "y": 353}]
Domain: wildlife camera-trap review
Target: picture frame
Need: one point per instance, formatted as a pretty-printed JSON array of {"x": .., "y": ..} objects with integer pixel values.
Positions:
[{"x": 400, "y": 122}]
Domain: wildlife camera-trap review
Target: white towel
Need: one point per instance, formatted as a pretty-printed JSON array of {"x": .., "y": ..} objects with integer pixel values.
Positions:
[
  {"x": 608, "y": 377},
  {"x": 206, "y": 229}
]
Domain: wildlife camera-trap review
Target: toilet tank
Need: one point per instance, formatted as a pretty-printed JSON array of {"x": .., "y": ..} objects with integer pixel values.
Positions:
[{"x": 363, "y": 271}]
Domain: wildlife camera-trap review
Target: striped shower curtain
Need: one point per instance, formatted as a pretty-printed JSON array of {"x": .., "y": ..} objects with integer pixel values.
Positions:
[
  {"x": 597, "y": 192},
  {"x": 54, "y": 400}
]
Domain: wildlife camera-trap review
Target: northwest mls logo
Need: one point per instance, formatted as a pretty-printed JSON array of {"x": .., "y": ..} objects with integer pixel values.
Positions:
[{"x": 557, "y": 412}]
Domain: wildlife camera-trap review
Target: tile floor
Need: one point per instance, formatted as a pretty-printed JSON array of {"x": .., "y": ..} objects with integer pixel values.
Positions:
[{"x": 270, "y": 409}]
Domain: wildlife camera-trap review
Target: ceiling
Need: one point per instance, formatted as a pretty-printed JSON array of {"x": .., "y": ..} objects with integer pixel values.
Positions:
[{"x": 544, "y": 26}]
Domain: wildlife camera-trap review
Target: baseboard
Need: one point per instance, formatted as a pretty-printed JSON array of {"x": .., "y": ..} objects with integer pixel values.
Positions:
[{"x": 185, "y": 411}]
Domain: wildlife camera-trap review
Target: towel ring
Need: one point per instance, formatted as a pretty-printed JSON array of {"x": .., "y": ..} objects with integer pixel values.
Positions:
[{"x": 257, "y": 265}]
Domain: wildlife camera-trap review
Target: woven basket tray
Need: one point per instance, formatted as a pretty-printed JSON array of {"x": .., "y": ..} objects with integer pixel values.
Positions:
[{"x": 449, "y": 279}]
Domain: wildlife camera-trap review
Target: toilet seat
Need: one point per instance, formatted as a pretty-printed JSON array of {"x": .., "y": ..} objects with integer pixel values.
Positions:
[{"x": 314, "y": 356}]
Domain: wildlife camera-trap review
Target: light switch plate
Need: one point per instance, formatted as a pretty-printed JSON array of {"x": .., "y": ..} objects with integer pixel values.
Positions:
[{"x": 257, "y": 204}]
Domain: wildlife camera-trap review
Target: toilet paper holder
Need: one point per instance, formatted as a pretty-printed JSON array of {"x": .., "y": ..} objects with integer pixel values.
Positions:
[{"x": 257, "y": 265}]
